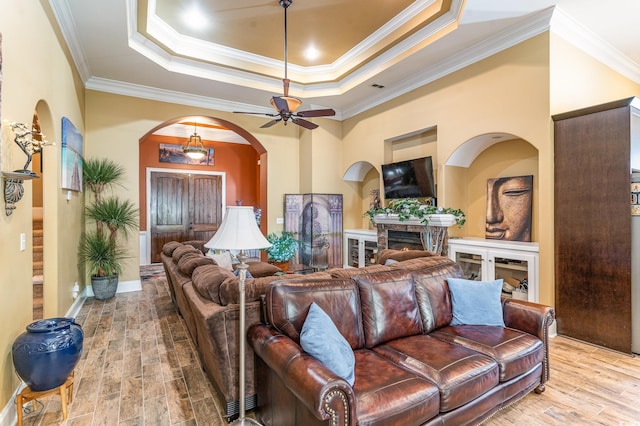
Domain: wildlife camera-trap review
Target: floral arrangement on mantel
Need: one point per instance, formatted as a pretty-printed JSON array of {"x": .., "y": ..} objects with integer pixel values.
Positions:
[{"x": 412, "y": 208}]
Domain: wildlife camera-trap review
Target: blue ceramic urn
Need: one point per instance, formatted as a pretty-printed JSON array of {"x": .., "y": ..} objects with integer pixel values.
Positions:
[{"x": 46, "y": 354}]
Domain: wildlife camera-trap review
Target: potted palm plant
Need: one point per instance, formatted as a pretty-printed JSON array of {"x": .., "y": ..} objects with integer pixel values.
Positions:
[
  {"x": 100, "y": 250},
  {"x": 283, "y": 248}
]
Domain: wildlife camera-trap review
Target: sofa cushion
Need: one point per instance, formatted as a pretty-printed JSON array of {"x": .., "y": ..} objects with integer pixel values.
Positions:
[
  {"x": 476, "y": 302},
  {"x": 461, "y": 374},
  {"x": 191, "y": 261},
  {"x": 389, "y": 306},
  {"x": 433, "y": 294},
  {"x": 198, "y": 244},
  {"x": 182, "y": 250},
  {"x": 516, "y": 352},
  {"x": 400, "y": 255},
  {"x": 256, "y": 287},
  {"x": 321, "y": 339},
  {"x": 169, "y": 247},
  {"x": 207, "y": 280},
  {"x": 262, "y": 269},
  {"x": 350, "y": 272},
  {"x": 418, "y": 263},
  {"x": 288, "y": 301},
  {"x": 222, "y": 259},
  {"x": 387, "y": 394}
]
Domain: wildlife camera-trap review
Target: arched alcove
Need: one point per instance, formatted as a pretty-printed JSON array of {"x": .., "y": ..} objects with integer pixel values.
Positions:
[
  {"x": 480, "y": 158},
  {"x": 239, "y": 159}
]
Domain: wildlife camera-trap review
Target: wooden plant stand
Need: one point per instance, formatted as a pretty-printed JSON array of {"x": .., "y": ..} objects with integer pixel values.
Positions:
[{"x": 66, "y": 395}]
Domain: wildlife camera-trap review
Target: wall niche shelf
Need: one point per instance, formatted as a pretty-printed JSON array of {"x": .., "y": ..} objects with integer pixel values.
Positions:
[{"x": 13, "y": 189}]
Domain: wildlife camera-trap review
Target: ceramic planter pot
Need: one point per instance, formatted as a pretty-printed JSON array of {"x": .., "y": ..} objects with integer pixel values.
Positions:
[
  {"x": 46, "y": 354},
  {"x": 104, "y": 287}
]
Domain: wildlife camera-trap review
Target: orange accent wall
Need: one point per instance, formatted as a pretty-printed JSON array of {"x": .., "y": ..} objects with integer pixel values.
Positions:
[{"x": 239, "y": 162}]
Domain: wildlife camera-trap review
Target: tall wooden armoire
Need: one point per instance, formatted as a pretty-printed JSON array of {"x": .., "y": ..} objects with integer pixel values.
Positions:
[{"x": 596, "y": 150}]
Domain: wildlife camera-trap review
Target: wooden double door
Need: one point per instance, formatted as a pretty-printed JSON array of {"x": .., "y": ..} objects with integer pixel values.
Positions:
[{"x": 183, "y": 207}]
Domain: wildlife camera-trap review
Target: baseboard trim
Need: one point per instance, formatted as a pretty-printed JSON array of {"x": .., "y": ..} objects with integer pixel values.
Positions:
[{"x": 9, "y": 415}]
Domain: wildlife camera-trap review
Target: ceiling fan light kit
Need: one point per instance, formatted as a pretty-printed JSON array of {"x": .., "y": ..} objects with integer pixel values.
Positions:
[{"x": 286, "y": 106}]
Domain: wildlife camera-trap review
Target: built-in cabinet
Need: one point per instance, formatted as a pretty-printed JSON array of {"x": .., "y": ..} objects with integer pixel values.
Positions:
[
  {"x": 360, "y": 248},
  {"x": 514, "y": 261},
  {"x": 597, "y": 244}
]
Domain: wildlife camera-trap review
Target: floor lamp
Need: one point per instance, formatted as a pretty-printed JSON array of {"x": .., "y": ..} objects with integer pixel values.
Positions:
[{"x": 239, "y": 231}]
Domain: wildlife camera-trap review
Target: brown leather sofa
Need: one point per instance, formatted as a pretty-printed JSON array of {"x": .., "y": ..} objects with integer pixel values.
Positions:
[
  {"x": 411, "y": 366},
  {"x": 206, "y": 296}
]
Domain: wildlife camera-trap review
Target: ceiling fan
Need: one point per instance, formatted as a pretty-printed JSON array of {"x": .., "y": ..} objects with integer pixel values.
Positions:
[{"x": 286, "y": 105}]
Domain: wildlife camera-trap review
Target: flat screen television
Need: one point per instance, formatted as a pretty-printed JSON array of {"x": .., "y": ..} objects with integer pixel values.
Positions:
[{"x": 409, "y": 179}]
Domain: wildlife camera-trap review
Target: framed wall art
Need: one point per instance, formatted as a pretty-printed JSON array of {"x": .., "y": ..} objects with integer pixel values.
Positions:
[
  {"x": 173, "y": 153},
  {"x": 509, "y": 208},
  {"x": 71, "y": 156}
]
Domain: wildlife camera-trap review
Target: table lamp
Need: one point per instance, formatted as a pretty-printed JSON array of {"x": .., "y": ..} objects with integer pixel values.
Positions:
[{"x": 239, "y": 231}]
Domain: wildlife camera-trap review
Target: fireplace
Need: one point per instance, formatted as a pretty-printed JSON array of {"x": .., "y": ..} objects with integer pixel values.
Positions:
[
  {"x": 404, "y": 240},
  {"x": 401, "y": 236}
]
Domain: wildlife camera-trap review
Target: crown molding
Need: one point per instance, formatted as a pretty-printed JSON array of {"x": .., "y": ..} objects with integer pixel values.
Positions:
[
  {"x": 584, "y": 39},
  {"x": 170, "y": 96},
  {"x": 514, "y": 34},
  {"x": 207, "y": 54},
  {"x": 67, "y": 27},
  {"x": 551, "y": 19}
]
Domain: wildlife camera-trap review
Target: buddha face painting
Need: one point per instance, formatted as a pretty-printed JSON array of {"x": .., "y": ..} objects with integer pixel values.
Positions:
[{"x": 509, "y": 208}]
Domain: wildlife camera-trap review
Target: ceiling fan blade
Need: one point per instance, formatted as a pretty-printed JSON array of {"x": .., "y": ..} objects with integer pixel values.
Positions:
[
  {"x": 304, "y": 123},
  {"x": 270, "y": 123},
  {"x": 316, "y": 113},
  {"x": 281, "y": 104},
  {"x": 256, "y": 113}
]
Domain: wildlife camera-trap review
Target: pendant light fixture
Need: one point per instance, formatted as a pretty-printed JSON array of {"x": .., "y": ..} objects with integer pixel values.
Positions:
[{"x": 194, "y": 148}]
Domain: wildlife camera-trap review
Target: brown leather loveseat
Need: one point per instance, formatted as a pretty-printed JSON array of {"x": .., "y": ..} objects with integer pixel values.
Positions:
[{"x": 411, "y": 366}]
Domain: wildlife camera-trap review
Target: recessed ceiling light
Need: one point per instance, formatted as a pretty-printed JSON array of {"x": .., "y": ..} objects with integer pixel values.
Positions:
[
  {"x": 195, "y": 19},
  {"x": 311, "y": 53}
]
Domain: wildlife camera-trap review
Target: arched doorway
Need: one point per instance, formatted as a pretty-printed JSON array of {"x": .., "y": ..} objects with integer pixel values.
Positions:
[
  {"x": 234, "y": 157},
  {"x": 41, "y": 125}
]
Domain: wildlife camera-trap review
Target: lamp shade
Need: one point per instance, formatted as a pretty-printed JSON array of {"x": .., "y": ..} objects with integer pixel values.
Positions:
[{"x": 238, "y": 231}]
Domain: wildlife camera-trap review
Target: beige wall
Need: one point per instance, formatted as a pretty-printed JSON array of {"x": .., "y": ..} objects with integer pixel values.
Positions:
[
  {"x": 115, "y": 123},
  {"x": 37, "y": 75},
  {"x": 579, "y": 81},
  {"x": 508, "y": 92}
]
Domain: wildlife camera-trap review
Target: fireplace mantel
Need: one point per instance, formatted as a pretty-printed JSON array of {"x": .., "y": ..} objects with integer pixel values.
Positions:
[
  {"x": 445, "y": 220},
  {"x": 434, "y": 236}
]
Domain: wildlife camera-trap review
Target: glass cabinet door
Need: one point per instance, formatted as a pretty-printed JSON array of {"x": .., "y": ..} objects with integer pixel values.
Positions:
[
  {"x": 370, "y": 253},
  {"x": 514, "y": 270},
  {"x": 471, "y": 262},
  {"x": 353, "y": 252}
]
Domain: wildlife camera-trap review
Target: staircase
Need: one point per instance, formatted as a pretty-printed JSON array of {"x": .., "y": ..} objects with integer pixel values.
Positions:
[{"x": 38, "y": 269}]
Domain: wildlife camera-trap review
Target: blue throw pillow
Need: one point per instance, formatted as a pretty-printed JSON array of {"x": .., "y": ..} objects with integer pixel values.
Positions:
[
  {"x": 321, "y": 339},
  {"x": 476, "y": 302}
]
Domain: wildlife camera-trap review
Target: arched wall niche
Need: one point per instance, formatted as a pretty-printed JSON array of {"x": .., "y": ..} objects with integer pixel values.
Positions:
[
  {"x": 365, "y": 177},
  {"x": 258, "y": 181},
  {"x": 480, "y": 158}
]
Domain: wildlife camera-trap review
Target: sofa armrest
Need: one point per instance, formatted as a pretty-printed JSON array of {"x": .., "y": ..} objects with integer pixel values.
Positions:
[
  {"x": 326, "y": 395},
  {"x": 532, "y": 318}
]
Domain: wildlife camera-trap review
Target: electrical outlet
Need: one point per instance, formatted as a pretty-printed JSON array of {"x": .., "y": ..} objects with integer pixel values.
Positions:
[
  {"x": 279, "y": 220},
  {"x": 23, "y": 241}
]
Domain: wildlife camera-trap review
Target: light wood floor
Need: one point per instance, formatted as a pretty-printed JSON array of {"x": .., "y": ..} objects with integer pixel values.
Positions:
[{"x": 139, "y": 368}]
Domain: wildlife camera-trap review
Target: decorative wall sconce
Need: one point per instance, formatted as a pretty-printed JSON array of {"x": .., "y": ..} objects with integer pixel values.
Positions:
[
  {"x": 13, "y": 189},
  {"x": 29, "y": 142}
]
